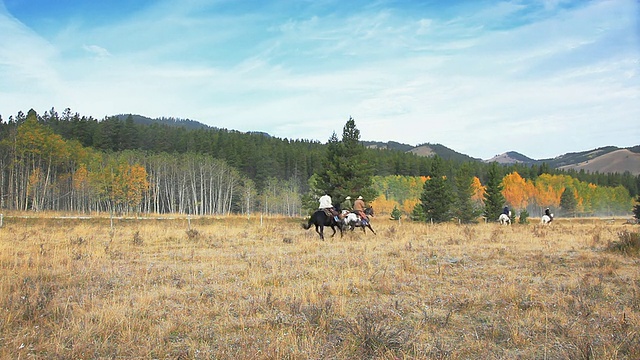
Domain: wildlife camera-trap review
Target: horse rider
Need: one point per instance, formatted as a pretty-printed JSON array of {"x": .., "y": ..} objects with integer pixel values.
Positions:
[
  {"x": 548, "y": 213},
  {"x": 327, "y": 206},
  {"x": 506, "y": 211},
  {"x": 358, "y": 208},
  {"x": 346, "y": 204}
]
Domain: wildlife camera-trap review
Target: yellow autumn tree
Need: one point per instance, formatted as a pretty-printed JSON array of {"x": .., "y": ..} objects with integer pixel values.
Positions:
[
  {"x": 80, "y": 178},
  {"x": 38, "y": 150},
  {"x": 517, "y": 191},
  {"x": 382, "y": 205},
  {"x": 409, "y": 204},
  {"x": 586, "y": 196},
  {"x": 478, "y": 190},
  {"x": 548, "y": 190},
  {"x": 122, "y": 184},
  {"x": 130, "y": 183}
]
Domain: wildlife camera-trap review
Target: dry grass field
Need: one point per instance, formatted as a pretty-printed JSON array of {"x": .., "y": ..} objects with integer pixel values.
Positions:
[{"x": 233, "y": 288}]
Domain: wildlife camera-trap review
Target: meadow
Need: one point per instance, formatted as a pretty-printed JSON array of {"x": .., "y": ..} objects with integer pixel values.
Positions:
[{"x": 252, "y": 288}]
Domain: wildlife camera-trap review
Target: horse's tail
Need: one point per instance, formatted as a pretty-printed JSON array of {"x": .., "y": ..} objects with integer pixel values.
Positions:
[
  {"x": 306, "y": 226},
  {"x": 312, "y": 220}
]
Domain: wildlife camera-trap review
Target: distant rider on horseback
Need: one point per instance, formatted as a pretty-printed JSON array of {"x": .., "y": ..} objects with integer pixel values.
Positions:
[
  {"x": 327, "y": 205},
  {"x": 358, "y": 208},
  {"x": 346, "y": 204}
]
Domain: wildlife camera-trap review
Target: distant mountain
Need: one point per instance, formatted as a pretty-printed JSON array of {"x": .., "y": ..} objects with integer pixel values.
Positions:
[
  {"x": 578, "y": 157},
  {"x": 259, "y": 133},
  {"x": 421, "y": 150},
  {"x": 185, "y": 123},
  {"x": 619, "y": 161},
  {"x": 390, "y": 145},
  {"x": 606, "y": 159},
  {"x": 511, "y": 157},
  {"x": 609, "y": 159}
]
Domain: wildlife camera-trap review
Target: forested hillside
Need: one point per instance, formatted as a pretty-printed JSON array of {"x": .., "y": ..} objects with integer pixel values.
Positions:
[{"x": 71, "y": 162}]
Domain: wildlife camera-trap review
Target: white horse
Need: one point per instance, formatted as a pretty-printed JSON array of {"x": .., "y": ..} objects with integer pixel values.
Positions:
[
  {"x": 505, "y": 219},
  {"x": 350, "y": 218},
  {"x": 352, "y": 221},
  {"x": 546, "y": 219}
]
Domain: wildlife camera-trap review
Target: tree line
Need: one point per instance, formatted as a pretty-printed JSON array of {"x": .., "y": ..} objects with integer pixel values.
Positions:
[
  {"x": 70, "y": 162},
  {"x": 563, "y": 194}
]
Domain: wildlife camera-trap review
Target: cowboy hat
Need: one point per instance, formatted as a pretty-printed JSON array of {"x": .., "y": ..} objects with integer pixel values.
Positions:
[
  {"x": 348, "y": 198},
  {"x": 360, "y": 198}
]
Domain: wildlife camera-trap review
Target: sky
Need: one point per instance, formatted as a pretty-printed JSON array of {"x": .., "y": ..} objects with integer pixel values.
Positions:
[{"x": 481, "y": 77}]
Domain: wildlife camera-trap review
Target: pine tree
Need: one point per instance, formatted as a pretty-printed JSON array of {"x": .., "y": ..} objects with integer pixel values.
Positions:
[
  {"x": 437, "y": 196},
  {"x": 465, "y": 210},
  {"x": 568, "y": 202},
  {"x": 396, "y": 213},
  {"x": 493, "y": 198},
  {"x": 418, "y": 213},
  {"x": 524, "y": 217},
  {"x": 346, "y": 169},
  {"x": 636, "y": 209}
]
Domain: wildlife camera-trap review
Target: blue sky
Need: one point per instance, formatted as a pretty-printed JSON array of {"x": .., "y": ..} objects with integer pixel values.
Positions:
[{"x": 481, "y": 77}]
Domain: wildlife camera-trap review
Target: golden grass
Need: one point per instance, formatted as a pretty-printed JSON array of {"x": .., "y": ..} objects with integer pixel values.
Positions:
[{"x": 233, "y": 288}]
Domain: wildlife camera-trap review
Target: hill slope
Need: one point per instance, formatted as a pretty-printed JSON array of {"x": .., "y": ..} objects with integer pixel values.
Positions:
[
  {"x": 143, "y": 120},
  {"x": 578, "y": 157},
  {"x": 511, "y": 157},
  {"x": 606, "y": 159},
  {"x": 615, "y": 161},
  {"x": 425, "y": 150}
]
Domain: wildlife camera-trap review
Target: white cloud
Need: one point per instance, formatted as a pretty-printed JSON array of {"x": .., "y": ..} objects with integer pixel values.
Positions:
[
  {"x": 97, "y": 51},
  {"x": 538, "y": 86}
]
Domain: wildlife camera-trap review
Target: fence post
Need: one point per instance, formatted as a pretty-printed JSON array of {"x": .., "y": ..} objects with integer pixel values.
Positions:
[{"x": 1, "y": 217}]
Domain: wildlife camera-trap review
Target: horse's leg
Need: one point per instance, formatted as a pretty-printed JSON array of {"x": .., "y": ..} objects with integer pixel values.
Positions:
[
  {"x": 370, "y": 228},
  {"x": 319, "y": 230},
  {"x": 340, "y": 226}
]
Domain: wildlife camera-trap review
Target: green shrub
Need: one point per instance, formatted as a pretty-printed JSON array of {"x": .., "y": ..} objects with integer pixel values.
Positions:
[{"x": 396, "y": 213}]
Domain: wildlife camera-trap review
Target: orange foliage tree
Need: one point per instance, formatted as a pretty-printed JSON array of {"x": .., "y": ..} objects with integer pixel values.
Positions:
[
  {"x": 548, "y": 190},
  {"x": 517, "y": 191},
  {"x": 478, "y": 190},
  {"x": 520, "y": 193}
]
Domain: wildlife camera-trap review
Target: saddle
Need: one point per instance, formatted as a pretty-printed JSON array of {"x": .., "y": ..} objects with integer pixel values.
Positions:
[{"x": 330, "y": 212}]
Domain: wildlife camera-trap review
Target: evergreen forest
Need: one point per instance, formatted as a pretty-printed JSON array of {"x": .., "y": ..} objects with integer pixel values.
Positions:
[{"x": 74, "y": 163}]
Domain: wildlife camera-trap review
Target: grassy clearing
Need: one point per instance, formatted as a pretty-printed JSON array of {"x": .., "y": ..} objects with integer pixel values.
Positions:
[{"x": 233, "y": 288}]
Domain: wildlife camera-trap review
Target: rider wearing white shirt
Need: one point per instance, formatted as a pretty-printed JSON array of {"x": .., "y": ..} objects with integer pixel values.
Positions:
[{"x": 325, "y": 202}]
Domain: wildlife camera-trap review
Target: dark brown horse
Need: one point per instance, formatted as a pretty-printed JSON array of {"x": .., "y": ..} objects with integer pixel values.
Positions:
[{"x": 320, "y": 219}]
